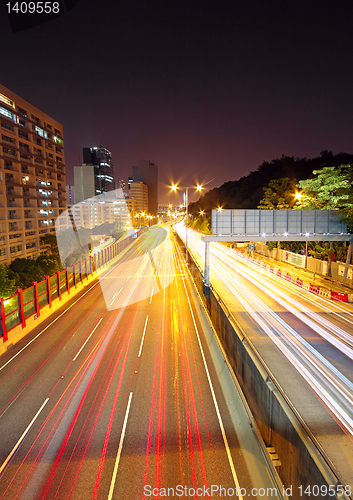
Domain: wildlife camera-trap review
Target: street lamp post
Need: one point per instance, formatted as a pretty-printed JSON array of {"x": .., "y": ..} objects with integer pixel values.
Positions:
[
  {"x": 198, "y": 188},
  {"x": 186, "y": 226}
]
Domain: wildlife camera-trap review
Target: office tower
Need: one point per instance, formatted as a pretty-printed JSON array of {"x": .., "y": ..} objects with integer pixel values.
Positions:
[
  {"x": 139, "y": 191},
  {"x": 101, "y": 158},
  {"x": 32, "y": 176},
  {"x": 86, "y": 181},
  {"x": 147, "y": 172}
]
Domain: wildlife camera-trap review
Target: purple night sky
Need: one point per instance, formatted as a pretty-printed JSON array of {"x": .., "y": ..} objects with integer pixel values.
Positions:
[{"x": 207, "y": 90}]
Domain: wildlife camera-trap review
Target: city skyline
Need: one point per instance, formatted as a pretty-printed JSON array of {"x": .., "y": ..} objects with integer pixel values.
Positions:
[{"x": 193, "y": 88}]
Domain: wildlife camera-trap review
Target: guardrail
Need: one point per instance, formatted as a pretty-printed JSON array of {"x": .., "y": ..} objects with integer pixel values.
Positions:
[
  {"x": 318, "y": 290},
  {"x": 16, "y": 309}
]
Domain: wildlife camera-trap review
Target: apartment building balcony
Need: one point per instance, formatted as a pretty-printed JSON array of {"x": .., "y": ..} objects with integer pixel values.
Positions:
[
  {"x": 12, "y": 202},
  {"x": 9, "y": 153},
  {"x": 13, "y": 215},
  {"x": 10, "y": 166}
]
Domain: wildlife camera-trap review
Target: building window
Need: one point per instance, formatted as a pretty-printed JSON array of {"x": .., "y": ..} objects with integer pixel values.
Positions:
[
  {"x": 6, "y": 100},
  {"x": 7, "y": 138},
  {"x": 15, "y": 249},
  {"x": 24, "y": 146},
  {"x": 9, "y": 151},
  {"x": 8, "y": 126},
  {"x": 22, "y": 111},
  {"x": 21, "y": 122},
  {"x": 23, "y": 135},
  {"x": 7, "y": 113},
  {"x": 2, "y": 252}
]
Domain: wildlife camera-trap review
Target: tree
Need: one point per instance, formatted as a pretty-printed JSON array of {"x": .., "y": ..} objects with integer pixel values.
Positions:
[
  {"x": 7, "y": 284},
  {"x": 279, "y": 194},
  {"x": 49, "y": 264},
  {"x": 49, "y": 240},
  {"x": 28, "y": 271},
  {"x": 330, "y": 189}
]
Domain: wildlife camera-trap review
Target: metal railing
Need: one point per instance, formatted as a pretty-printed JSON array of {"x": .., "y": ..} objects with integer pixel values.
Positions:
[{"x": 16, "y": 309}]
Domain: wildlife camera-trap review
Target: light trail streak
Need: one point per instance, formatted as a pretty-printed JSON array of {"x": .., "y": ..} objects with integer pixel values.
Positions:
[
  {"x": 19, "y": 442},
  {"x": 331, "y": 386},
  {"x": 294, "y": 306},
  {"x": 219, "y": 417},
  {"x": 90, "y": 335}
]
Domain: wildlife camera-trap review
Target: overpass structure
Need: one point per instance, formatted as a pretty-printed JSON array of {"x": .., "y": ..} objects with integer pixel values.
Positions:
[{"x": 276, "y": 225}]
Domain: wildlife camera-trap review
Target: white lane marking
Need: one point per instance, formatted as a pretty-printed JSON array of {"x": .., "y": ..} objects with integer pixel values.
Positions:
[
  {"x": 115, "y": 471},
  {"x": 14, "y": 449},
  {"x": 151, "y": 294},
  {"x": 231, "y": 463},
  {"x": 143, "y": 337},
  {"x": 90, "y": 335},
  {"x": 115, "y": 296},
  {"x": 129, "y": 276}
]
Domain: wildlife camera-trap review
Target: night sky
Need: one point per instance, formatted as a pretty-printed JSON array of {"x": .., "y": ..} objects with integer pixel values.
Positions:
[{"x": 207, "y": 90}]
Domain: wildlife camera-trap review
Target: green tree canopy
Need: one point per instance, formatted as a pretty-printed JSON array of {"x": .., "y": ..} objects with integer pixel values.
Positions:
[
  {"x": 330, "y": 189},
  {"x": 49, "y": 264},
  {"x": 7, "y": 284},
  {"x": 28, "y": 271},
  {"x": 279, "y": 194},
  {"x": 49, "y": 240}
]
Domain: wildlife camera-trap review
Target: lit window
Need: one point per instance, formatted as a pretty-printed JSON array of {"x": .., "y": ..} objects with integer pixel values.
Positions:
[
  {"x": 6, "y": 113},
  {"x": 6, "y": 100}
]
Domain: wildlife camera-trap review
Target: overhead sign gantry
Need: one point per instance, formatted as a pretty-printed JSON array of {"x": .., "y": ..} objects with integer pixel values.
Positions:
[{"x": 276, "y": 225}]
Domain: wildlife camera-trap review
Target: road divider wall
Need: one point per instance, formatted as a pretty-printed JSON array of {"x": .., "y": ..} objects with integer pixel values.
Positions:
[{"x": 303, "y": 462}]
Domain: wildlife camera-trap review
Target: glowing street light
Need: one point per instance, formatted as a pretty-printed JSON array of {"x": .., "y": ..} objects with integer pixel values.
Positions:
[
  {"x": 298, "y": 195},
  {"x": 174, "y": 187}
]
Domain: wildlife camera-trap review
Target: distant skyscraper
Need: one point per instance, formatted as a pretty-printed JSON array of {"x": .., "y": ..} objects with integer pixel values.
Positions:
[
  {"x": 147, "y": 172},
  {"x": 139, "y": 191},
  {"x": 32, "y": 177},
  {"x": 101, "y": 158},
  {"x": 70, "y": 194},
  {"x": 95, "y": 176}
]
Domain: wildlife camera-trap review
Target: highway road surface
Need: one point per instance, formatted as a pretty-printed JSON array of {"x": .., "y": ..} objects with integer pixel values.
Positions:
[
  {"x": 118, "y": 398},
  {"x": 287, "y": 323}
]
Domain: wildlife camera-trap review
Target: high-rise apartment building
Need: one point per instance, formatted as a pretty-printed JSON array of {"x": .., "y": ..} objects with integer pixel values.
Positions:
[
  {"x": 32, "y": 176},
  {"x": 147, "y": 172}
]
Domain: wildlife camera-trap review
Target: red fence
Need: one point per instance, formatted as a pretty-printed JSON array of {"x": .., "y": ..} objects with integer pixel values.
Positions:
[{"x": 26, "y": 303}]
